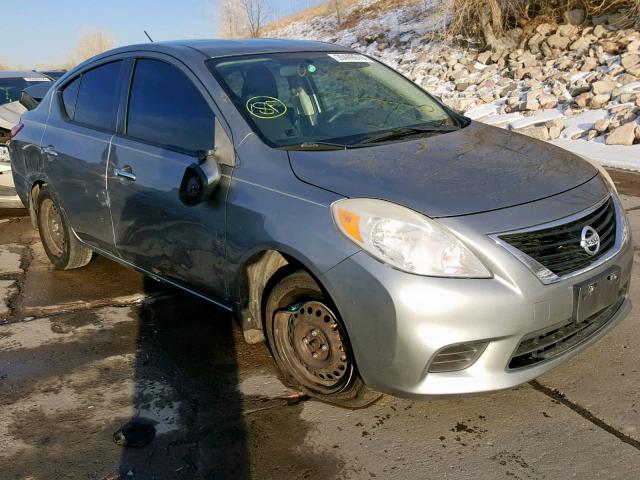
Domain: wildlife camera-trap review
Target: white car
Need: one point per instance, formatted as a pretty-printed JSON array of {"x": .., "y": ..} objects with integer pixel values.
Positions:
[{"x": 12, "y": 83}]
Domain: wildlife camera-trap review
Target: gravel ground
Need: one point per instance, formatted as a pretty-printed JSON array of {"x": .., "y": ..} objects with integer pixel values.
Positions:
[{"x": 83, "y": 353}]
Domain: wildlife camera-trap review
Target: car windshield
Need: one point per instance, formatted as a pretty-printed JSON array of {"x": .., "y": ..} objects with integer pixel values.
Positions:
[
  {"x": 323, "y": 100},
  {"x": 10, "y": 88}
]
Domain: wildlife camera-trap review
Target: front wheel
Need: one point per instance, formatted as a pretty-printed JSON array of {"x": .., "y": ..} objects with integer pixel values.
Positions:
[
  {"x": 310, "y": 345},
  {"x": 65, "y": 252}
]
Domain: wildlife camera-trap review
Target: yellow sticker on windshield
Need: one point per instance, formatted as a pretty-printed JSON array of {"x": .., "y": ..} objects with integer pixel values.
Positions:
[{"x": 266, "y": 107}]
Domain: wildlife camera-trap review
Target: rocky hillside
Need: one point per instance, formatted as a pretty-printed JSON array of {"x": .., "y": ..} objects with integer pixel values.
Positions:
[{"x": 576, "y": 84}]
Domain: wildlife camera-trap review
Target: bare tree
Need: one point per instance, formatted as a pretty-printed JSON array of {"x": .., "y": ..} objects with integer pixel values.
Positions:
[
  {"x": 256, "y": 12},
  {"x": 91, "y": 43},
  {"x": 233, "y": 23},
  {"x": 337, "y": 6}
]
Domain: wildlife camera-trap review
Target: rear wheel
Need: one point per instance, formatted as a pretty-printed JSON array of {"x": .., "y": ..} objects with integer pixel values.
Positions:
[
  {"x": 65, "y": 252},
  {"x": 310, "y": 345}
]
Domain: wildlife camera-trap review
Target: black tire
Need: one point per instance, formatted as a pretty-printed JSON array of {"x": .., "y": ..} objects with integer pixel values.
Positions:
[
  {"x": 64, "y": 250},
  {"x": 332, "y": 378}
]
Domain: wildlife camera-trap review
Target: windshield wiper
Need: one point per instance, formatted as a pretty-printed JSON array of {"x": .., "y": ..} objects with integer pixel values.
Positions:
[
  {"x": 401, "y": 132},
  {"x": 317, "y": 146}
]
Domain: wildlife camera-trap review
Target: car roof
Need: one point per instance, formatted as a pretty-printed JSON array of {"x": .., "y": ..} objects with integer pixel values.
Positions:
[
  {"x": 224, "y": 47},
  {"x": 19, "y": 74}
]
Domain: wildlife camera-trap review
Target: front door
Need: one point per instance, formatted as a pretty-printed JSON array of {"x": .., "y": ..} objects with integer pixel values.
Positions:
[{"x": 168, "y": 121}]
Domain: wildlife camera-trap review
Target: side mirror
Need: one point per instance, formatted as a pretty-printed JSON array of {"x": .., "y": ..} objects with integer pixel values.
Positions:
[{"x": 200, "y": 179}]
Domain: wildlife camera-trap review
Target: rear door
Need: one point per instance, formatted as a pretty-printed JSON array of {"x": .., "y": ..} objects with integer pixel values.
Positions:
[
  {"x": 76, "y": 145},
  {"x": 170, "y": 117}
]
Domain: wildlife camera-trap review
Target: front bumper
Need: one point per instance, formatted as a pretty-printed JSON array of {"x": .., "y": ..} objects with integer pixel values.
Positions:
[{"x": 397, "y": 322}]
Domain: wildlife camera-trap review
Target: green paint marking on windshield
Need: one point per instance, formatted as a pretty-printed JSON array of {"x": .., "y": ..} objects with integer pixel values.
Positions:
[{"x": 266, "y": 108}]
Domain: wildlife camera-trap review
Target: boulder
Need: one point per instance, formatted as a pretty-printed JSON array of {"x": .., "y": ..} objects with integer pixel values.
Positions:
[
  {"x": 565, "y": 64},
  {"x": 600, "y": 101},
  {"x": 603, "y": 87},
  {"x": 629, "y": 97},
  {"x": 581, "y": 45},
  {"x": 631, "y": 63},
  {"x": 546, "y": 50},
  {"x": 555, "y": 128},
  {"x": 485, "y": 57},
  {"x": 626, "y": 78},
  {"x": 602, "y": 125},
  {"x": 567, "y": 31},
  {"x": 574, "y": 17},
  {"x": 600, "y": 31},
  {"x": 462, "y": 85},
  {"x": 610, "y": 47},
  {"x": 634, "y": 47},
  {"x": 544, "y": 29},
  {"x": 547, "y": 101},
  {"x": 532, "y": 102},
  {"x": 558, "y": 41},
  {"x": 589, "y": 64},
  {"x": 584, "y": 99},
  {"x": 624, "y": 135},
  {"x": 534, "y": 42},
  {"x": 540, "y": 133}
]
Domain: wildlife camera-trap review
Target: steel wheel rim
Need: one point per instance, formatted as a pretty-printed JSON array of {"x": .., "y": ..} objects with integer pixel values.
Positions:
[
  {"x": 53, "y": 228},
  {"x": 311, "y": 342}
]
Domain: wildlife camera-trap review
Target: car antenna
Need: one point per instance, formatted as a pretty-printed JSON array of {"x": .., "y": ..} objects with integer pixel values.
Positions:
[{"x": 148, "y": 36}]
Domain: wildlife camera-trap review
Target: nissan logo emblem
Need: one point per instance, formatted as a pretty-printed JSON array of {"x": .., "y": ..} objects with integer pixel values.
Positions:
[{"x": 590, "y": 240}]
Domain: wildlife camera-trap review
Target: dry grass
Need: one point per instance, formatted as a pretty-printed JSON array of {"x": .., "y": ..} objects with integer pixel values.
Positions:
[
  {"x": 322, "y": 10},
  {"x": 486, "y": 20},
  {"x": 374, "y": 10},
  {"x": 490, "y": 19}
]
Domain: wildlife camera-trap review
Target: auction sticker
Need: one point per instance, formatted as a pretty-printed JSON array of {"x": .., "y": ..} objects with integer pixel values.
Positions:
[
  {"x": 350, "y": 58},
  {"x": 266, "y": 107}
]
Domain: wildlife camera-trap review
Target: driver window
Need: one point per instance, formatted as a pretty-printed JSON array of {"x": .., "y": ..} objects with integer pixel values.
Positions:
[{"x": 166, "y": 109}]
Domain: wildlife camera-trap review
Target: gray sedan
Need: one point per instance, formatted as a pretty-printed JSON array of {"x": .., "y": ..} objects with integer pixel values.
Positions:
[{"x": 378, "y": 241}]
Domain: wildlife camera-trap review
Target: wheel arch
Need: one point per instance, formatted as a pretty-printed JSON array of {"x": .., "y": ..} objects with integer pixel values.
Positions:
[
  {"x": 254, "y": 281},
  {"x": 34, "y": 191}
]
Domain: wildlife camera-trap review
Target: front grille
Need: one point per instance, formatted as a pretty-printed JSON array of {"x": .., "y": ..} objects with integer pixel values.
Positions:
[
  {"x": 558, "y": 248},
  {"x": 546, "y": 345}
]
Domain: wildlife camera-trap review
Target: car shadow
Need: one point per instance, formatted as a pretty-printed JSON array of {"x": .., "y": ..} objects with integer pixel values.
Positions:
[{"x": 186, "y": 388}]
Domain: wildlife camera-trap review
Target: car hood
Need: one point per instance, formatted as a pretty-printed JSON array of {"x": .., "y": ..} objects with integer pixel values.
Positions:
[
  {"x": 474, "y": 169},
  {"x": 10, "y": 114}
]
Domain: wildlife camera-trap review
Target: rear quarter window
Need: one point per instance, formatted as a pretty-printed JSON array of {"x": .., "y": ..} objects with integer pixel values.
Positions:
[
  {"x": 69, "y": 97},
  {"x": 97, "y": 101}
]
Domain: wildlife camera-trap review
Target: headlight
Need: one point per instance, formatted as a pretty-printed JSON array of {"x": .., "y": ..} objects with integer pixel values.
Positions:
[{"x": 405, "y": 239}]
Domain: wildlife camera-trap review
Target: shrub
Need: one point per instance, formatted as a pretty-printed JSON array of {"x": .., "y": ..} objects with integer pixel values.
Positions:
[{"x": 489, "y": 20}]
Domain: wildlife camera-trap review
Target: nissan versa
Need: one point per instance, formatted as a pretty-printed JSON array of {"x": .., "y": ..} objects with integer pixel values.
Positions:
[{"x": 378, "y": 241}]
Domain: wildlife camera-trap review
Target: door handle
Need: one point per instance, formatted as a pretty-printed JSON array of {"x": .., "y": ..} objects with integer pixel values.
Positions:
[
  {"x": 125, "y": 172},
  {"x": 50, "y": 151}
]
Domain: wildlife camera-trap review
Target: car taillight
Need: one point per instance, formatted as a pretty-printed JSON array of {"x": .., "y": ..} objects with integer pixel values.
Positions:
[{"x": 16, "y": 130}]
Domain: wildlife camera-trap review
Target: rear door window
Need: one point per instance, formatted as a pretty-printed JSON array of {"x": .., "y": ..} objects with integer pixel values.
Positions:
[
  {"x": 69, "y": 97},
  {"x": 165, "y": 108},
  {"x": 97, "y": 101}
]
